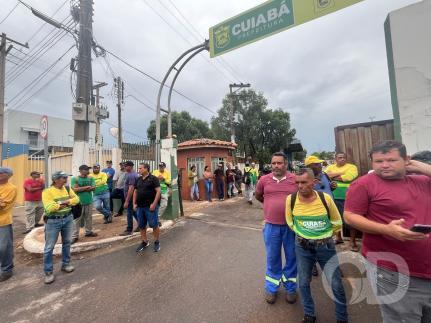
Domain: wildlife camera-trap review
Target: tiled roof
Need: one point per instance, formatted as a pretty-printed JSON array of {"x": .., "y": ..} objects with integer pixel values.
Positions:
[{"x": 206, "y": 142}]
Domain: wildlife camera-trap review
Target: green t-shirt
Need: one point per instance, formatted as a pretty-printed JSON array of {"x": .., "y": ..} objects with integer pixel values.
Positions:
[{"x": 84, "y": 197}]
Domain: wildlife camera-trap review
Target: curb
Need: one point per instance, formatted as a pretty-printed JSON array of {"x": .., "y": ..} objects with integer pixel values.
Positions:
[{"x": 32, "y": 245}]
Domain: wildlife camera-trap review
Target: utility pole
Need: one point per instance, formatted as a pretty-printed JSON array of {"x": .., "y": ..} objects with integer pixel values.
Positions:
[
  {"x": 119, "y": 86},
  {"x": 232, "y": 107},
  {"x": 101, "y": 113},
  {"x": 3, "y": 53},
  {"x": 83, "y": 112}
]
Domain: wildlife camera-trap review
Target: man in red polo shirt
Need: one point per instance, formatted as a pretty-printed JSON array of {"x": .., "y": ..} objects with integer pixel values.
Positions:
[
  {"x": 33, "y": 188},
  {"x": 385, "y": 205},
  {"x": 272, "y": 190}
]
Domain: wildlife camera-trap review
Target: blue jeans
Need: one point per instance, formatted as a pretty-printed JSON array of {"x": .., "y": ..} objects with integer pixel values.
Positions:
[
  {"x": 275, "y": 237},
  {"x": 52, "y": 228},
  {"x": 327, "y": 258},
  {"x": 208, "y": 189},
  {"x": 6, "y": 248},
  {"x": 130, "y": 215},
  {"x": 102, "y": 203},
  {"x": 145, "y": 216},
  {"x": 230, "y": 187},
  {"x": 220, "y": 189},
  {"x": 194, "y": 190}
]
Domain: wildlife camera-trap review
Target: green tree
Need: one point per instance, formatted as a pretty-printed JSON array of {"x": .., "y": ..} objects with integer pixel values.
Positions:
[
  {"x": 259, "y": 130},
  {"x": 183, "y": 126}
]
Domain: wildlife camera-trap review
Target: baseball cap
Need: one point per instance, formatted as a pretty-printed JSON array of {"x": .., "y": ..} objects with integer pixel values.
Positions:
[
  {"x": 129, "y": 163},
  {"x": 6, "y": 170},
  {"x": 96, "y": 165},
  {"x": 162, "y": 164},
  {"x": 312, "y": 160},
  {"x": 34, "y": 173},
  {"x": 84, "y": 167},
  {"x": 58, "y": 175}
]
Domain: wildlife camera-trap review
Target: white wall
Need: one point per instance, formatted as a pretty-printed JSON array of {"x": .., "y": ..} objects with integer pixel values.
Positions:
[
  {"x": 60, "y": 131},
  {"x": 408, "y": 39}
]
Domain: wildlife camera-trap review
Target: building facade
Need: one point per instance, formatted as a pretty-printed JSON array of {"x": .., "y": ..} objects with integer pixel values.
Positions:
[{"x": 201, "y": 153}]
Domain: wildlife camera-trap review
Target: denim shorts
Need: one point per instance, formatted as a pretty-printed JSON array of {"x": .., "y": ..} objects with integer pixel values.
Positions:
[{"x": 145, "y": 216}]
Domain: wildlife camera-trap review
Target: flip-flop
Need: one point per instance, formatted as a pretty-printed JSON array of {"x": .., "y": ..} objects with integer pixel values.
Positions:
[{"x": 354, "y": 249}]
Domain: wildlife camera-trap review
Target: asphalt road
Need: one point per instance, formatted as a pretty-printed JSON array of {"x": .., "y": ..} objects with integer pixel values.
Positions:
[{"x": 210, "y": 269}]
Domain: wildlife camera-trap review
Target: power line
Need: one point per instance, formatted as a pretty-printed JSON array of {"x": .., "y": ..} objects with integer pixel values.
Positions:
[
  {"x": 126, "y": 131},
  {"x": 10, "y": 12},
  {"x": 146, "y": 105},
  {"x": 35, "y": 81},
  {"x": 35, "y": 52},
  {"x": 219, "y": 59},
  {"x": 39, "y": 90},
  {"x": 184, "y": 38},
  {"x": 157, "y": 81}
]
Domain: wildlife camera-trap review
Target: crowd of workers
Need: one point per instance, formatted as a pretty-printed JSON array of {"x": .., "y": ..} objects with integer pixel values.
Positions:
[{"x": 304, "y": 213}]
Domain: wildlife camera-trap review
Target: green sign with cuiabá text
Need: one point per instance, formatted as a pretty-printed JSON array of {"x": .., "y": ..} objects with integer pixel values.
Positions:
[{"x": 267, "y": 19}]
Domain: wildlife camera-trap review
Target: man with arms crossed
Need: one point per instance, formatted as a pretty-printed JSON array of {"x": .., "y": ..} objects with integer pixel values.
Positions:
[
  {"x": 272, "y": 190},
  {"x": 385, "y": 205}
]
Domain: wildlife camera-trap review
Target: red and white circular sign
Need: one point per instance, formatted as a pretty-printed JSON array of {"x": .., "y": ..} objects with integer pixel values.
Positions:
[{"x": 44, "y": 127}]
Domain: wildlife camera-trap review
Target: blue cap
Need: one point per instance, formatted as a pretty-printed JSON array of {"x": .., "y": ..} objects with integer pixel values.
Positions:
[{"x": 6, "y": 170}]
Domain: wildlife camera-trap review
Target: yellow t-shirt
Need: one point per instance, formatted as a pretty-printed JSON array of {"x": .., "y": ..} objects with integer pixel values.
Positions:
[
  {"x": 349, "y": 173},
  {"x": 101, "y": 180},
  {"x": 51, "y": 197},
  {"x": 166, "y": 180},
  {"x": 310, "y": 220},
  {"x": 8, "y": 194}
]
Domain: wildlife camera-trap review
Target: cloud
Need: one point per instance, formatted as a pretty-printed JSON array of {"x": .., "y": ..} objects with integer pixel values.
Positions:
[{"x": 327, "y": 72}]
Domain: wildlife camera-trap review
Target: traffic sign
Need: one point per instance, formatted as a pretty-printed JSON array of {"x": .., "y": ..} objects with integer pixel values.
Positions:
[
  {"x": 44, "y": 127},
  {"x": 269, "y": 18}
]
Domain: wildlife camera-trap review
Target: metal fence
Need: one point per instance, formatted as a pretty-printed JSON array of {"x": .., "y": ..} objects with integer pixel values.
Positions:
[{"x": 143, "y": 152}]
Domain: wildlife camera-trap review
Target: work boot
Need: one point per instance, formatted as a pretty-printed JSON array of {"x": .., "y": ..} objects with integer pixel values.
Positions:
[
  {"x": 291, "y": 298},
  {"x": 91, "y": 234},
  {"x": 49, "y": 278},
  {"x": 5, "y": 275},
  {"x": 125, "y": 233},
  {"x": 270, "y": 298},
  {"x": 309, "y": 319},
  {"x": 67, "y": 268}
]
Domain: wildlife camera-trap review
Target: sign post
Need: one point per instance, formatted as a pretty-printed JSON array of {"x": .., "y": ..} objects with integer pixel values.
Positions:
[
  {"x": 44, "y": 135},
  {"x": 267, "y": 19}
]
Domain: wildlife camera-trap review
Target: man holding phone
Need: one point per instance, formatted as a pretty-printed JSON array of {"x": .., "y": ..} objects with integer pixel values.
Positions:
[{"x": 386, "y": 205}]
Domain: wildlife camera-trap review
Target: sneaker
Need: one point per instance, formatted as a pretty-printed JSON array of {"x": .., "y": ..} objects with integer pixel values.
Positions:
[
  {"x": 270, "y": 298},
  {"x": 5, "y": 275},
  {"x": 125, "y": 233},
  {"x": 67, "y": 268},
  {"x": 49, "y": 278},
  {"x": 109, "y": 219},
  {"x": 309, "y": 319},
  {"x": 39, "y": 225},
  {"x": 291, "y": 298},
  {"x": 91, "y": 234},
  {"x": 105, "y": 221},
  {"x": 74, "y": 240},
  {"x": 160, "y": 224},
  {"x": 156, "y": 247},
  {"x": 27, "y": 231},
  {"x": 137, "y": 230},
  {"x": 250, "y": 202},
  {"x": 143, "y": 245}
]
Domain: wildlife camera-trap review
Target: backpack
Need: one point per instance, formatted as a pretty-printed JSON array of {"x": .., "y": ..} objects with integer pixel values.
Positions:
[
  {"x": 246, "y": 179},
  {"x": 76, "y": 209},
  {"x": 321, "y": 196}
]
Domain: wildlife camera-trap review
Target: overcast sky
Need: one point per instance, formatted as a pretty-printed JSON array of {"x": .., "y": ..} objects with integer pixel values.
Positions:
[{"x": 328, "y": 72}]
